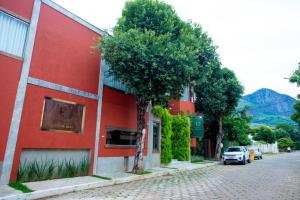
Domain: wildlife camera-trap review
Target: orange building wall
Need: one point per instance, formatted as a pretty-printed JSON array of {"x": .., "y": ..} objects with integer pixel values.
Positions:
[{"x": 176, "y": 107}]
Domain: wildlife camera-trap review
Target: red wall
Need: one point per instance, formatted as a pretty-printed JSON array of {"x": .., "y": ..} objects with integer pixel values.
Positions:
[
  {"x": 63, "y": 52},
  {"x": 10, "y": 70},
  {"x": 30, "y": 135},
  {"x": 118, "y": 110},
  {"x": 176, "y": 107},
  {"x": 21, "y": 8},
  {"x": 63, "y": 55}
]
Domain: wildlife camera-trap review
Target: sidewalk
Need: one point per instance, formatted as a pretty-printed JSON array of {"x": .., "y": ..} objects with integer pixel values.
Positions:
[{"x": 49, "y": 188}]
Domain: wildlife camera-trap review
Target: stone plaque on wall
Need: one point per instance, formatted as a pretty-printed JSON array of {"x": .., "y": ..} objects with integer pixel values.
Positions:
[{"x": 61, "y": 115}]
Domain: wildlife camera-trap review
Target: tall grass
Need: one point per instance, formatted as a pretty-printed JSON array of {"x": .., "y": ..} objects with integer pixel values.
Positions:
[{"x": 39, "y": 170}]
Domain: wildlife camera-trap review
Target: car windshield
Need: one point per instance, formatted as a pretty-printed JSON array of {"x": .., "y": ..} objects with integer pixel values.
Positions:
[{"x": 233, "y": 149}]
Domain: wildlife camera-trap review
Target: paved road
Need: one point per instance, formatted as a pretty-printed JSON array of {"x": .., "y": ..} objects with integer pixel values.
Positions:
[{"x": 274, "y": 177}]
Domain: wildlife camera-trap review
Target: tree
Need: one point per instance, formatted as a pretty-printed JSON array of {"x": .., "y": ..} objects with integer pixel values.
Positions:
[
  {"x": 295, "y": 78},
  {"x": 284, "y": 143},
  {"x": 281, "y": 133},
  {"x": 293, "y": 133},
  {"x": 217, "y": 95},
  {"x": 236, "y": 127},
  {"x": 150, "y": 52},
  {"x": 266, "y": 134}
]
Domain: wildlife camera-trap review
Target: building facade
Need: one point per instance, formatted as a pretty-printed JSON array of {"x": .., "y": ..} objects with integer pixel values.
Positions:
[{"x": 56, "y": 102}]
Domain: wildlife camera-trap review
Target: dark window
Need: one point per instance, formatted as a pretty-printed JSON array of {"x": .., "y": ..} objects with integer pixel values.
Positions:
[
  {"x": 155, "y": 136},
  {"x": 121, "y": 137},
  {"x": 234, "y": 149}
]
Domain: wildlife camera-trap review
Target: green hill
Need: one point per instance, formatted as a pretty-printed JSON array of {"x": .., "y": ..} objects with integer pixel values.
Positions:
[{"x": 268, "y": 107}]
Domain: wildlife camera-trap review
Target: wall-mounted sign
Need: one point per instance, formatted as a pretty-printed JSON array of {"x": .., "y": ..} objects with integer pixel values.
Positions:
[
  {"x": 197, "y": 127},
  {"x": 61, "y": 115}
]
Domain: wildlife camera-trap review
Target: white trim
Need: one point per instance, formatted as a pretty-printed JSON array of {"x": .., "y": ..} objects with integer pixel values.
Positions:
[
  {"x": 99, "y": 112},
  {"x": 74, "y": 17},
  {"x": 20, "y": 96},
  {"x": 54, "y": 86}
]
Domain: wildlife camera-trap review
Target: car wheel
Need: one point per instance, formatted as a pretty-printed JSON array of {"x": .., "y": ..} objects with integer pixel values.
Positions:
[
  {"x": 244, "y": 161},
  {"x": 260, "y": 157},
  {"x": 225, "y": 163},
  {"x": 249, "y": 160}
]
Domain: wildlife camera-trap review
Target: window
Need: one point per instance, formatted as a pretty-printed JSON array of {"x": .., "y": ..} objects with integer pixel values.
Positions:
[
  {"x": 63, "y": 116},
  {"x": 156, "y": 136},
  {"x": 121, "y": 137},
  {"x": 12, "y": 34}
]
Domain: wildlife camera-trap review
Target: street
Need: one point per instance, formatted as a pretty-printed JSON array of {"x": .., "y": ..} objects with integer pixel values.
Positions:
[{"x": 274, "y": 177}]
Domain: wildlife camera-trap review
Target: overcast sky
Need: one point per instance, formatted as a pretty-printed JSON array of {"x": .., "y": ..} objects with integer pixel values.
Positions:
[{"x": 258, "y": 39}]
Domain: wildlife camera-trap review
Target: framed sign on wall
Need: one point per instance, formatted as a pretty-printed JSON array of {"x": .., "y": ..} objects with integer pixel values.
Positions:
[{"x": 60, "y": 115}]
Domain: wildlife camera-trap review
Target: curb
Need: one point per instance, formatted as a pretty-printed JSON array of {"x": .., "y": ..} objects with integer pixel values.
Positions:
[{"x": 103, "y": 183}]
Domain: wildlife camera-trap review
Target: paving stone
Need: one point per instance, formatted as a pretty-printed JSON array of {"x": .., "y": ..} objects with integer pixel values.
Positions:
[{"x": 275, "y": 177}]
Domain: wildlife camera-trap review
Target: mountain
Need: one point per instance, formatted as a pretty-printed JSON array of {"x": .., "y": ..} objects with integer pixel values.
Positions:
[{"x": 269, "y": 107}]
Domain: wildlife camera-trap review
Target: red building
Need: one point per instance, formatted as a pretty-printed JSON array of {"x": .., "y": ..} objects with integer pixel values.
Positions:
[{"x": 55, "y": 100}]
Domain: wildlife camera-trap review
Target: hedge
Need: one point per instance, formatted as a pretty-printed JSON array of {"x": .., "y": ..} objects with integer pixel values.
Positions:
[
  {"x": 166, "y": 126},
  {"x": 175, "y": 139},
  {"x": 181, "y": 137}
]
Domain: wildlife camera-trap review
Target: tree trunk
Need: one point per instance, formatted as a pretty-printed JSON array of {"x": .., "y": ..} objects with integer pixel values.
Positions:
[
  {"x": 138, "y": 165},
  {"x": 219, "y": 139}
]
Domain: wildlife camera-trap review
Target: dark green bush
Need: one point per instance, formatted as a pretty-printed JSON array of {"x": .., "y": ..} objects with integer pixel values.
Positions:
[
  {"x": 181, "y": 137},
  {"x": 166, "y": 124},
  {"x": 284, "y": 143}
]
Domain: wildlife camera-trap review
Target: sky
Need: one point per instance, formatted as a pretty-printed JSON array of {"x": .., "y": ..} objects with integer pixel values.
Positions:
[{"x": 258, "y": 40}]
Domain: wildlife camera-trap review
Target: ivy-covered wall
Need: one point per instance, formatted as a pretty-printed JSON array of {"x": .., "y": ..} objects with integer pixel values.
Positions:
[{"x": 175, "y": 139}]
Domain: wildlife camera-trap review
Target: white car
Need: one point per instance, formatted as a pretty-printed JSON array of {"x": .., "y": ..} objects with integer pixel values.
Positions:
[
  {"x": 236, "y": 154},
  {"x": 257, "y": 153}
]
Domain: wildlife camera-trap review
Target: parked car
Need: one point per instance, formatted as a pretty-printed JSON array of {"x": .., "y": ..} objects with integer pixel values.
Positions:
[
  {"x": 236, "y": 154},
  {"x": 257, "y": 153}
]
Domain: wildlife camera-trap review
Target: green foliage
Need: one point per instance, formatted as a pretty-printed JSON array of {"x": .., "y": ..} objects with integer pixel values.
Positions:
[
  {"x": 266, "y": 134},
  {"x": 21, "y": 187},
  {"x": 296, "y": 116},
  {"x": 181, "y": 137},
  {"x": 295, "y": 78},
  {"x": 281, "y": 133},
  {"x": 38, "y": 170},
  {"x": 236, "y": 127},
  {"x": 292, "y": 132},
  {"x": 219, "y": 94},
  {"x": 102, "y": 177},
  {"x": 197, "y": 159},
  {"x": 284, "y": 143},
  {"x": 151, "y": 50},
  {"x": 166, "y": 141}
]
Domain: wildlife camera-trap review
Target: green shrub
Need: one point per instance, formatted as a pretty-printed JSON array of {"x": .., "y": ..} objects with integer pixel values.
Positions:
[
  {"x": 181, "y": 137},
  {"x": 39, "y": 170},
  {"x": 166, "y": 131},
  {"x": 21, "y": 187},
  {"x": 284, "y": 143}
]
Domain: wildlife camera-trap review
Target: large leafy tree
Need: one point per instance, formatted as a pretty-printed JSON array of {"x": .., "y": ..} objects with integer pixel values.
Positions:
[
  {"x": 217, "y": 96},
  {"x": 266, "y": 134},
  {"x": 236, "y": 127},
  {"x": 151, "y": 53}
]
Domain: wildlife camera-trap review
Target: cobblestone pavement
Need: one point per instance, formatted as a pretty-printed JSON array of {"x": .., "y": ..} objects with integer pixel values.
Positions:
[{"x": 273, "y": 177}]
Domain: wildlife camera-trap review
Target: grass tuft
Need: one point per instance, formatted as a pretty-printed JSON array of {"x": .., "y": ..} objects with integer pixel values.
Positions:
[
  {"x": 21, "y": 187},
  {"x": 102, "y": 177}
]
